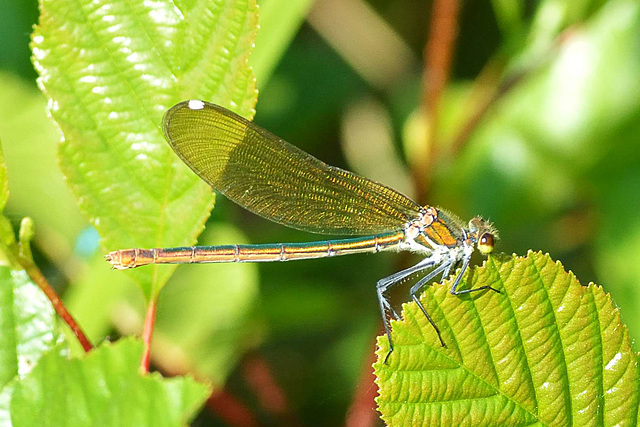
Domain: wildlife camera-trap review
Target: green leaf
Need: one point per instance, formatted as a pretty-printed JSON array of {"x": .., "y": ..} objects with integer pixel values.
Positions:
[
  {"x": 110, "y": 70},
  {"x": 103, "y": 388},
  {"x": 4, "y": 181},
  {"x": 545, "y": 351},
  {"x": 28, "y": 328},
  {"x": 279, "y": 22},
  {"x": 27, "y": 321}
]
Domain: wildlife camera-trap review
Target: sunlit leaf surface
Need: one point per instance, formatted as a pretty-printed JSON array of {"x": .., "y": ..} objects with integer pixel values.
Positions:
[
  {"x": 110, "y": 70},
  {"x": 29, "y": 329},
  {"x": 103, "y": 388},
  {"x": 546, "y": 351},
  {"x": 27, "y": 321}
]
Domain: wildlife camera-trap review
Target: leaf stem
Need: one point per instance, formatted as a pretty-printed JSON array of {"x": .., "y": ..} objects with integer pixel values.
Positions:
[
  {"x": 20, "y": 257},
  {"x": 36, "y": 275},
  {"x": 147, "y": 334}
]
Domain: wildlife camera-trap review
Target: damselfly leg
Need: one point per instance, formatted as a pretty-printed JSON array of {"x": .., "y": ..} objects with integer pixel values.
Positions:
[
  {"x": 454, "y": 289},
  {"x": 444, "y": 267}
]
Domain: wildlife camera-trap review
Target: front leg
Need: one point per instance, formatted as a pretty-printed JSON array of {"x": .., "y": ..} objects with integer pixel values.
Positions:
[
  {"x": 454, "y": 289},
  {"x": 444, "y": 267},
  {"x": 386, "y": 283}
]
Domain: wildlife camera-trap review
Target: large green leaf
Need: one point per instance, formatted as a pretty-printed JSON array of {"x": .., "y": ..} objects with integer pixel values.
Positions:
[
  {"x": 28, "y": 329},
  {"x": 103, "y": 388},
  {"x": 545, "y": 351},
  {"x": 110, "y": 70},
  {"x": 28, "y": 326},
  {"x": 27, "y": 319},
  {"x": 27, "y": 322}
]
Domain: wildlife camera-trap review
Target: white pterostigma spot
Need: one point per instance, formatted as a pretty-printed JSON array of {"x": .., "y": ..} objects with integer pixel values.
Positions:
[{"x": 196, "y": 104}]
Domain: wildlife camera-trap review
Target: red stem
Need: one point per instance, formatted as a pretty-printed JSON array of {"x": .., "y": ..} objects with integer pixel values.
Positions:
[
  {"x": 438, "y": 52},
  {"x": 36, "y": 275},
  {"x": 147, "y": 334}
]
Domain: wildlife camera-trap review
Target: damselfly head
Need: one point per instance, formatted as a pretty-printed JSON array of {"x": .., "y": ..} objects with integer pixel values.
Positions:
[{"x": 483, "y": 234}]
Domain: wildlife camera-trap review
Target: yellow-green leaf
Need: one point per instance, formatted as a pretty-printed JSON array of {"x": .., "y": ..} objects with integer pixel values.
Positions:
[
  {"x": 545, "y": 351},
  {"x": 103, "y": 387},
  {"x": 27, "y": 322},
  {"x": 110, "y": 70}
]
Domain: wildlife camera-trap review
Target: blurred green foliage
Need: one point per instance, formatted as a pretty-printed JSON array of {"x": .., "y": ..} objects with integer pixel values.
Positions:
[{"x": 555, "y": 163}]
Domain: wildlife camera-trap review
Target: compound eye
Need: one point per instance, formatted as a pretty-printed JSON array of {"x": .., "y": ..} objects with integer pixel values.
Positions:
[{"x": 486, "y": 243}]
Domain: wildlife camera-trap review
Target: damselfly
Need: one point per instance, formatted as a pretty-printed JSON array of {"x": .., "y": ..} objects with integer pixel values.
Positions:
[{"x": 282, "y": 183}]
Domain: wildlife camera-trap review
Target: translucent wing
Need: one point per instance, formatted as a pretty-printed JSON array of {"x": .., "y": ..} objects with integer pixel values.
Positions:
[{"x": 274, "y": 179}]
